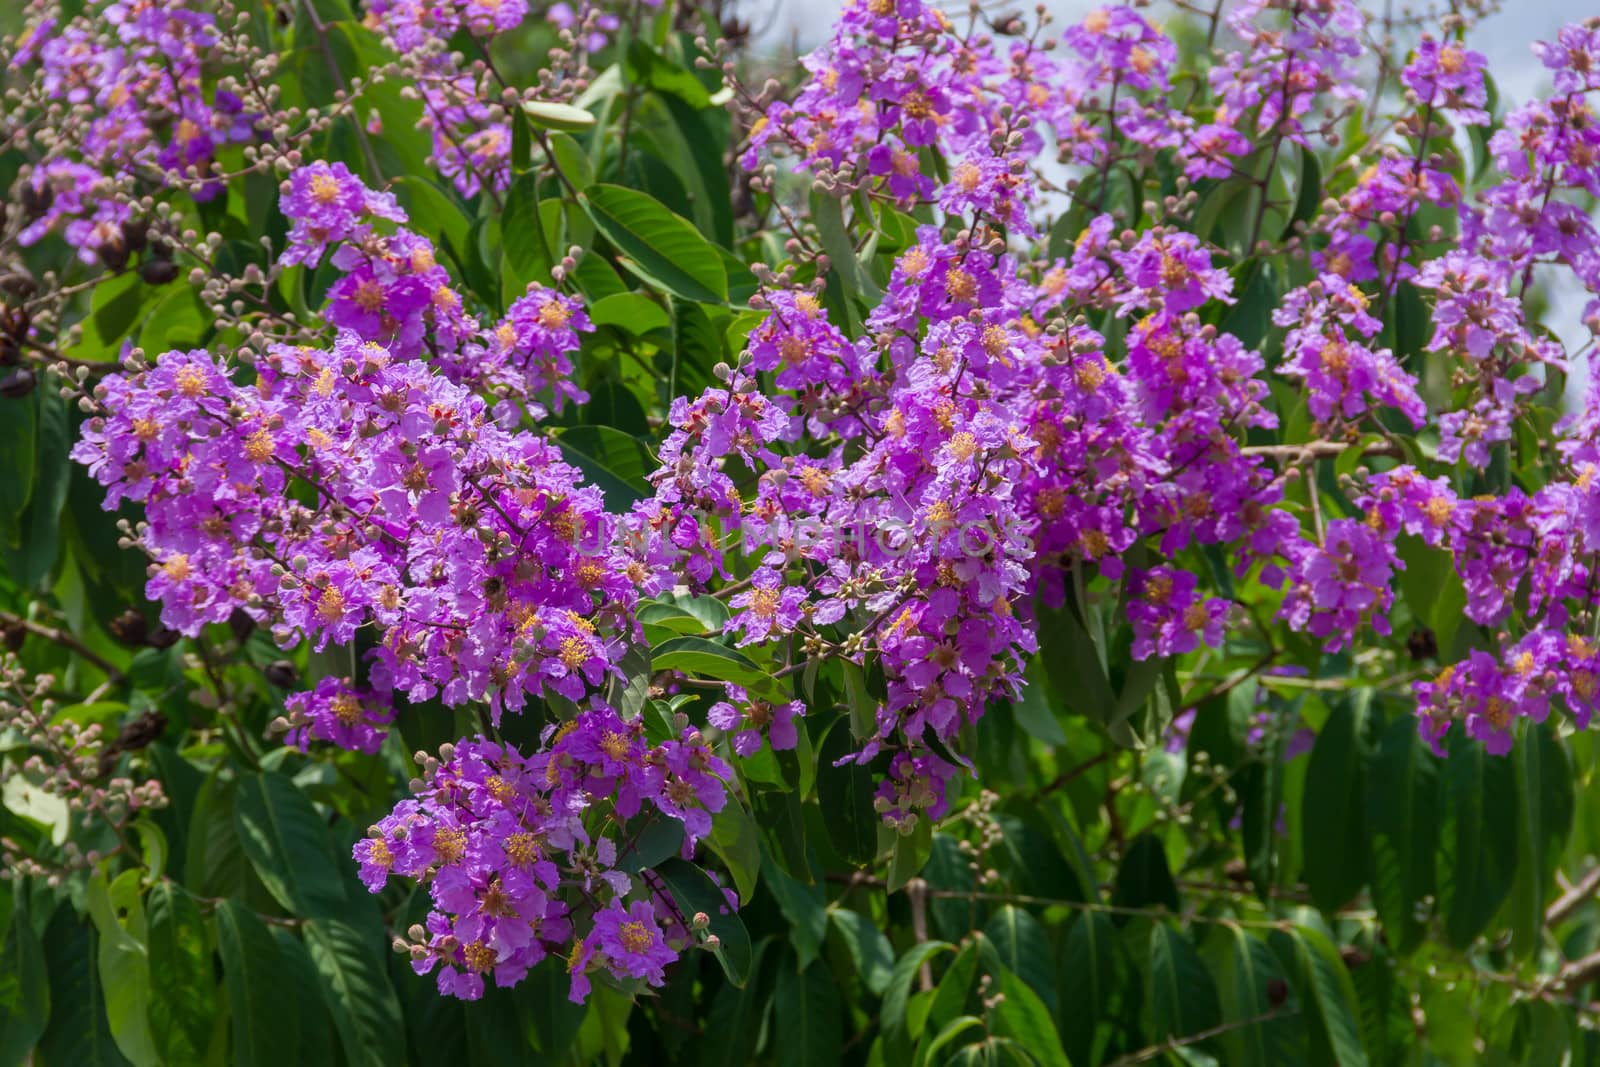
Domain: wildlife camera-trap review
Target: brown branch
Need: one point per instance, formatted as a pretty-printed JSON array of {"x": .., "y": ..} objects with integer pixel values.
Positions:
[
  {"x": 1319, "y": 450},
  {"x": 1573, "y": 899},
  {"x": 64, "y": 639},
  {"x": 1172, "y": 1044}
]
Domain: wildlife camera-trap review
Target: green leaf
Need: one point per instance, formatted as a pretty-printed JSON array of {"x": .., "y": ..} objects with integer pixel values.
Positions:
[
  {"x": 1402, "y": 820},
  {"x": 567, "y": 155},
  {"x": 1024, "y": 947},
  {"x": 633, "y": 312},
  {"x": 1251, "y": 969},
  {"x": 39, "y": 527},
  {"x": 1309, "y": 194},
  {"x": 1328, "y": 996},
  {"x": 24, "y": 989},
  {"x": 1144, "y": 879},
  {"x": 656, "y": 841},
  {"x": 911, "y": 852},
  {"x": 693, "y": 891},
  {"x": 1332, "y": 820},
  {"x": 124, "y": 961},
  {"x": 896, "y": 1032},
  {"x": 531, "y": 233},
  {"x": 1180, "y": 993},
  {"x": 661, "y": 248},
  {"x": 805, "y": 906},
  {"x": 852, "y": 822},
  {"x": 546, "y": 115},
  {"x": 288, "y": 845},
  {"x": 782, "y": 818},
  {"x": 1478, "y": 797},
  {"x": 705, "y": 658},
  {"x": 77, "y": 1034},
  {"x": 1432, "y": 589},
  {"x": 183, "y": 991},
  {"x": 614, "y": 461},
  {"x": 318, "y": 1041},
  {"x": 869, "y": 949},
  {"x": 1544, "y": 782},
  {"x": 1022, "y": 1015},
  {"x": 257, "y": 979},
  {"x": 828, "y": 214},
  {"x": 19, "y": 433},
  {"x": 1033, "y": 712},
  {"x": 809, "y": 1030},
  {"x": 958, "y": 1027},
  {"x": 646, "y": 66},
  {"x": 1089, "y": 982},
  {"x": 737, "y": 841},
  {"x": 358, "y": 994}
]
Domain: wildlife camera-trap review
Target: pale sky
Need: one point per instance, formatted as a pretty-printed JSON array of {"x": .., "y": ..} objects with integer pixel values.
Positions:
[{"x": 1503, "y": 37}]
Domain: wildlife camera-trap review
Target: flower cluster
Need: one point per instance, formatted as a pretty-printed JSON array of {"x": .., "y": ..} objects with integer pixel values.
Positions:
[
  {"x": 528, "y": 855},
  {"x": 393, "y": 291},
  {"x": 339, "y": 713},
  {"x": 135, "y": 112},
  {"x": 486, "y": 563}
]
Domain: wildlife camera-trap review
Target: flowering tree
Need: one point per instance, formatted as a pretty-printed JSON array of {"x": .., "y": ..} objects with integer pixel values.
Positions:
[{"x": 1005, "y": 543}]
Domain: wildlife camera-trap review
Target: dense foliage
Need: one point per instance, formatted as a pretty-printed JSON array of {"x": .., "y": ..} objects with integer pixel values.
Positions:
[{"x": 546, "y": 534}]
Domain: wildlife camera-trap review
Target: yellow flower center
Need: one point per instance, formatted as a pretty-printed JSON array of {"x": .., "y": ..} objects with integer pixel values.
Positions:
[
  {"x": 574, "y": 652},
  {"x": 191, "y": 381},
  {"x": 635, "y": 937},
  {"x": 960, "y": 285},
  {"x": 259, "y": 446},
  {"x": 764, "y": 603},
  {"x": 346, "y": 708},
  {"x": 614, "y": 745},
  {"x": 913, "y": 262},
  {"x": 450, "y": 844},
  {"x": 478, "y": 956},
  {"x": 330, "y": 604},
  {"x": 522, "y": 848}
]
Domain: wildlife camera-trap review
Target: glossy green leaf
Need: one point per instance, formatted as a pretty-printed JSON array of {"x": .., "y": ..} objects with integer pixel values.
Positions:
[
  {"x": 869, "y": 949},
  {"x": 1144, "y": 879},
  {"x": 356, "y": 989},
  {"x": 1402, "y": 820},
  {"x": 1180, "y": 993},
  {"x": 707, "y": 659},
  {"x": 183, "y": 994},
  {"x": 810, "y": 1032},
  {"x": 1024, "y": 947},
  {"x": 805, "y": 908},
  {"x": 78, "y": 1034},
  {"x": 692, "y": 891},
  {"x": 663, "y": 249},
  {"x": 1023, "y": 1016},
  {"x": 256, "y": 977},
  {"x": 288, "y": 845},
  {"x": 1327, "y": 996},
  {"x": 547, "y": 115},
  {"x": 897, "y": 1036},
  {"x": 1478, "y": 833},
  {"x": 1333, "y": 823},
  {"x": 1544, "y": 785},
  {"x": 24, "y": 990},
  {"x": 124, "y": 961},
  {"x": 612, "y": 460}
]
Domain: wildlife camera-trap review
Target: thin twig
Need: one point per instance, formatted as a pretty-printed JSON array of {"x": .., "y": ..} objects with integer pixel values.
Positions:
[{"x": 66, "y": 640}]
